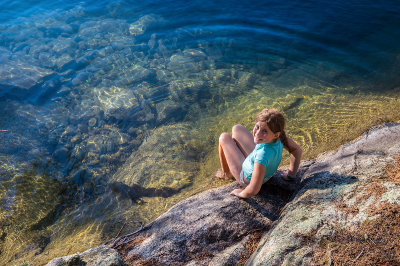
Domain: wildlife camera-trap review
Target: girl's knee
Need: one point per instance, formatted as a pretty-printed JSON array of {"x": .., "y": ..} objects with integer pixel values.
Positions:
[
  {"x": 236, "y": 129},
  {"x": 224, "y": 137}
]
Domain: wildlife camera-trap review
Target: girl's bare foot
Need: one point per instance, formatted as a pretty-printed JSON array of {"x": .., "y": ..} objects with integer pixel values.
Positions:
[{"x": 220, "y": 174}]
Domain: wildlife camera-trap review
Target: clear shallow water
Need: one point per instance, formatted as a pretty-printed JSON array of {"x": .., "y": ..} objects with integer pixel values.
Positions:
[{"x": 110, "y": 112}]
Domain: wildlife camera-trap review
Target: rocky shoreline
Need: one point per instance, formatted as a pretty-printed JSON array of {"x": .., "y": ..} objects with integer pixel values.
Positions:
[{"x": 305, "y": 222}]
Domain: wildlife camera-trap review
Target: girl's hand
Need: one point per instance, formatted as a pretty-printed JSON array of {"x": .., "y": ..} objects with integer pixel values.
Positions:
[
  {"x": 236, "y": 192},
  {"x": 285, "y": 175},
  {"x": 255, "y": 183}
]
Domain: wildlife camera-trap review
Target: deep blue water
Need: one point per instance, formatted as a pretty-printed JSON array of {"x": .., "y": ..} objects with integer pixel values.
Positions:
[
  {"x": 355, "y": 36},
  {"x": 83, "y": 82}
]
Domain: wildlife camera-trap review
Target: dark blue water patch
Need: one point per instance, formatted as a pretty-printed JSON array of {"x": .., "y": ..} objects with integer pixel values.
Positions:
[{"x": 343, "y": 33}]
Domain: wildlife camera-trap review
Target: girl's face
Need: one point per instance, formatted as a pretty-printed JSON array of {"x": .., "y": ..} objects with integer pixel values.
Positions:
[{"x": 263, "y": 134}]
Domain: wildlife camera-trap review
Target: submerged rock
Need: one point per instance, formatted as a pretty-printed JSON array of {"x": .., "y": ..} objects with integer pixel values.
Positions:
[
  {"x": 140, "y": 26},
  {"x": 18, "y": 77},
  {"x": 188, "y": 61},
  {"x": 169, "y": 111},
  {"x": 168, "y": 157}
]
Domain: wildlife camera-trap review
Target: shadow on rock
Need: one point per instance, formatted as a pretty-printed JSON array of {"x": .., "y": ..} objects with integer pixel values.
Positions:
[
  {"x": 270, "y": 199},
  {"x": 135, "y": 192},
  {"x": 326, "y": 180},
  {"x": 322, "y": 187}
]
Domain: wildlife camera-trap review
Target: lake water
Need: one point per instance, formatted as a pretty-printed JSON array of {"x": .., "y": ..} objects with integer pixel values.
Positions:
[{"x": 110, "y": 111}]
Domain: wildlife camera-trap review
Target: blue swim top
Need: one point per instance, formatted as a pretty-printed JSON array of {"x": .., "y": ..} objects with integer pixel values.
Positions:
[{"x": 267, "y": 154}]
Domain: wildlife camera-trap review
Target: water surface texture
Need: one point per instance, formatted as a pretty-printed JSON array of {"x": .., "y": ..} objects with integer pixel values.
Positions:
[{"x": 110, "y": 111}]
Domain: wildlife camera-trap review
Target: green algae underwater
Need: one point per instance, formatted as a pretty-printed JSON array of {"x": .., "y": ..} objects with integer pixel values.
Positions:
[{"x": 109, "y": 120}]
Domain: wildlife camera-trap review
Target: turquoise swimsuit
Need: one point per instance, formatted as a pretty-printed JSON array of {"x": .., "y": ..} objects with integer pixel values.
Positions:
[{"x": 267, "y": 154}]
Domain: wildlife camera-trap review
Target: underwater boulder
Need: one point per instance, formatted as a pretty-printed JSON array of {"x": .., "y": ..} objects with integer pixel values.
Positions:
[
  {"x": 188, "y": 61},
  {"x": 169, "y": 111},
  {"x": 139, "y": 27},
  {"x": 18, "y": 77},
  {"x": 246, "y": 80},
  {"x": 168, "y": 157}
]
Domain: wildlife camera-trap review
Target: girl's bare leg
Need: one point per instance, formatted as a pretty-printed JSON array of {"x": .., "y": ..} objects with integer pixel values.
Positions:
[
  {"x": 226, "y": 172},
  {"x": 244, "y": 139},
  {"x": 230, "y": 155}
]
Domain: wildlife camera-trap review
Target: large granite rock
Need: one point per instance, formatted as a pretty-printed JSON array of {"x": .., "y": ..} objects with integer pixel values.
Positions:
[
  {"x": 336, "y": 192},
  {"x": 212, "y": 227},
  {"x": 339, "y": 193}
]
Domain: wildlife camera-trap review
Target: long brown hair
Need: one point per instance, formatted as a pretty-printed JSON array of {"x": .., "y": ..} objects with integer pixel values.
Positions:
[{"x": 275, "y": 121}]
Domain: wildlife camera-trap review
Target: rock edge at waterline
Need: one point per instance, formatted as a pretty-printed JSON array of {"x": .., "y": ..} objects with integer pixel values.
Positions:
[{"x": 213, "y": 228}]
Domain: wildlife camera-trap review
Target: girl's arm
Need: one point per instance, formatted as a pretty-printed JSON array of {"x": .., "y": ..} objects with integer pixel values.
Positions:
[
  {"x": 255, "y": 183},
  {"x": 295, "y": 156}
]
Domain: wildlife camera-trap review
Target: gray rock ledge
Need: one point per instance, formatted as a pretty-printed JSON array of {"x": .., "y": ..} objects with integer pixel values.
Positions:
[{"x": 213, "y": 228}]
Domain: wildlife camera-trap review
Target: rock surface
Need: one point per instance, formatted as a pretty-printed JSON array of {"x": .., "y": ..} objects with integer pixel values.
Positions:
[
  {"x": 335, "y": 191},
  {"x": 101, "y": 255},
  {"x": 203, "y": 228},
  {"x": 333, "y": 184}
]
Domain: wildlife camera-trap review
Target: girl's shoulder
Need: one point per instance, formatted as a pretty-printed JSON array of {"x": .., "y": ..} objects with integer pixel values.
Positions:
[{"x": 270, "y": 147}]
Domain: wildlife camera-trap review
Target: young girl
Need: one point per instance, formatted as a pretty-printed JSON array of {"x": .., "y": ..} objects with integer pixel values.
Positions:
[{"x": 253, "y": 159}]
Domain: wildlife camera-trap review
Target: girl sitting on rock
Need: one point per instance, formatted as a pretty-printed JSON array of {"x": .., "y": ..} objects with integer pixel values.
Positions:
[{"x": 253, "y": 159}]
